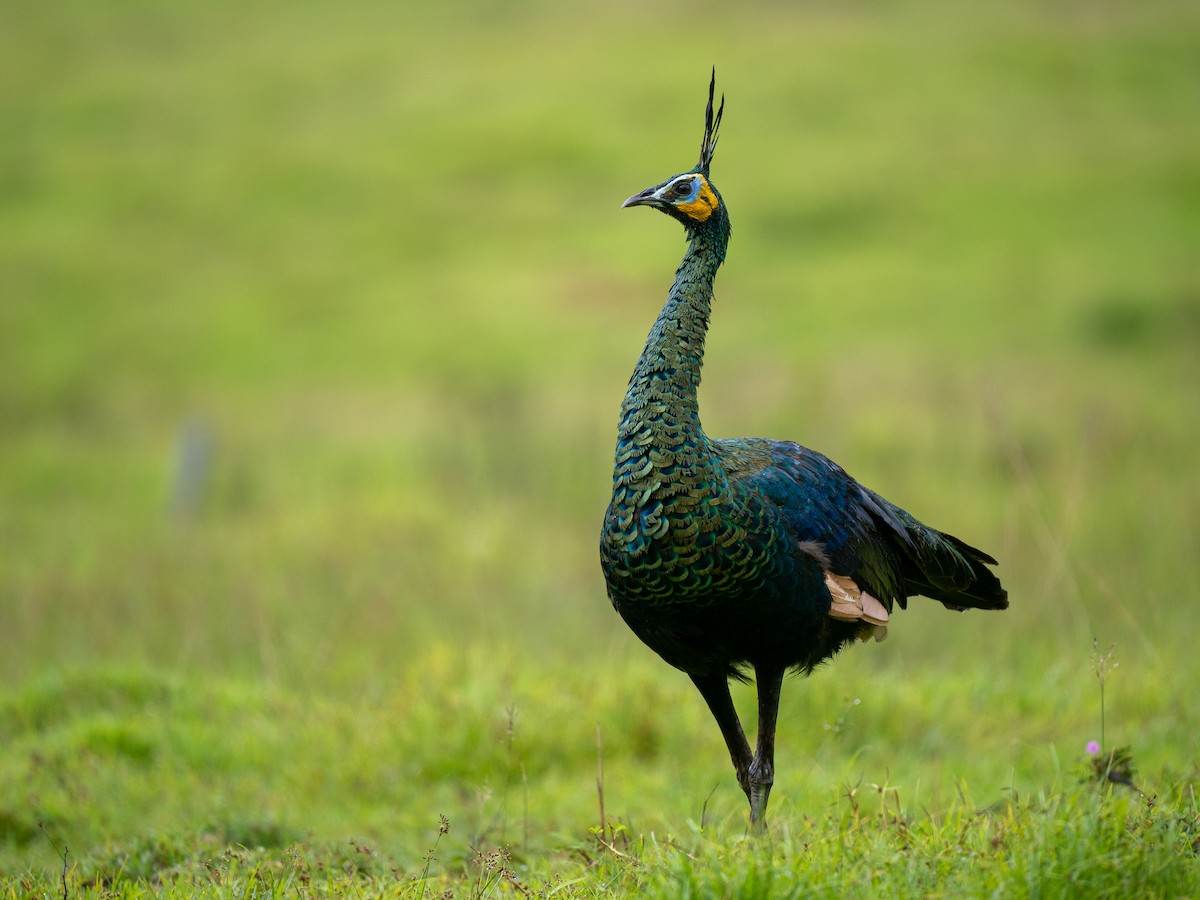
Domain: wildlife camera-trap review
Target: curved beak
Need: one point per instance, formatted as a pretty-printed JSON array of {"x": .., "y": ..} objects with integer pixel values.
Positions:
[{"x": 642, "y": 198}]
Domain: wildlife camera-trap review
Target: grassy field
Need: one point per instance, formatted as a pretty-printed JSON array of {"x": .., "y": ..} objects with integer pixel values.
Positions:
[{"x": 360, "y": 275}]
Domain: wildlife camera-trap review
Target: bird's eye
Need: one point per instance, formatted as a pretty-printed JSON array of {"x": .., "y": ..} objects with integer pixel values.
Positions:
[{"x": 682, "y": 188}]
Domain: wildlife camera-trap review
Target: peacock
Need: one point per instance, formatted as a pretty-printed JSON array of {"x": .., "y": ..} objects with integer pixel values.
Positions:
[{"x": 731, "y": 555}]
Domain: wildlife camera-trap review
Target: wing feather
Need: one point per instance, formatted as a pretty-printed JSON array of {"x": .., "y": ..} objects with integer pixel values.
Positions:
[{"x": 874, "y": 549}]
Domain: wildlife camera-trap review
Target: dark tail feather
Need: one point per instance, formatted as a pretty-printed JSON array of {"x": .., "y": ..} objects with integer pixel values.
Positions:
[
  {"x": 953, "y": 572},
  {"x": 938, "y": 565}
]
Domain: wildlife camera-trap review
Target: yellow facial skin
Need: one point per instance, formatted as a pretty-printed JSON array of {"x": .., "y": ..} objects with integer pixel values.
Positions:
[{"x": 703, "y": 206}]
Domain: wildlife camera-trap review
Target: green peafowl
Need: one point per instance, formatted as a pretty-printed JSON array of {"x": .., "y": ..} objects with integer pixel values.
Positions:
[{"x": 729, "y": 555}]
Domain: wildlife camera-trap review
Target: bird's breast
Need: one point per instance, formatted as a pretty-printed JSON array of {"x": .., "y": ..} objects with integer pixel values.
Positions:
[{"x": 675, "y": 530}]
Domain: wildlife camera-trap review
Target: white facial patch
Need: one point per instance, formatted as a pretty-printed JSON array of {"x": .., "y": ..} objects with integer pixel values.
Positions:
[{"x": 670, "y": 192}]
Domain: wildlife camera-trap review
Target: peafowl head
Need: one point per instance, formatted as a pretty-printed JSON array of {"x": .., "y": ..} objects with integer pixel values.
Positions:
[{"x": 690, "y": 196}]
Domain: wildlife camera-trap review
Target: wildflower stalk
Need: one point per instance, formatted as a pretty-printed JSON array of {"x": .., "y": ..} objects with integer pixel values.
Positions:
[{"x": 1103, "y": 665}]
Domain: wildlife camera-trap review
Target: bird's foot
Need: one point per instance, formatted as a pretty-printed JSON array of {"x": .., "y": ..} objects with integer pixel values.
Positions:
[{"x": 759, "y": 779}]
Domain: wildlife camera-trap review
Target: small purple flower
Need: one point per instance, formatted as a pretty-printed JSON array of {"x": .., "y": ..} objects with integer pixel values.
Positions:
[{"x": 1093, "y": 748}]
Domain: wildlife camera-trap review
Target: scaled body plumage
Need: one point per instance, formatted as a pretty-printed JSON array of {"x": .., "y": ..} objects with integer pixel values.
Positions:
[{"x": 724, "y": 555}]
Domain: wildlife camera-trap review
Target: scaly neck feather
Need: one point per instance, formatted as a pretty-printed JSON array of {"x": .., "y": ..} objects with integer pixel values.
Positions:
[{"x": 660, "y": 406}]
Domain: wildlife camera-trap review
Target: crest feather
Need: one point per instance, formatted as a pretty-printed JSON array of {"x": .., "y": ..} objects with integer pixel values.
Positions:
[{"x": 711, "y": 126}]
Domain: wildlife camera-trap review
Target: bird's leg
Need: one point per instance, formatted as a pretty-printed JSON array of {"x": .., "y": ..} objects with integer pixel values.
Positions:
[
  {"x": 715, "y": 690},
  {"x": 762, "y": 767}
]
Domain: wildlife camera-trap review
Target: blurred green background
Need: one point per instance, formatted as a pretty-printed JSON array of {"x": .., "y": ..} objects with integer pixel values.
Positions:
[{"x": 371, "y": 256}]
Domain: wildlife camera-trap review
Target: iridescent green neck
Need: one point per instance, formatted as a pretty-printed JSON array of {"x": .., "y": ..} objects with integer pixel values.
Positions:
[{"x": 660, "y": 406}]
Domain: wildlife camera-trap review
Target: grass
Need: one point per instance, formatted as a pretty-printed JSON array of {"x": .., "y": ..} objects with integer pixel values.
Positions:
[
  {"x": 228, "y": 784},
  {"x": 368, "y": 269}
]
